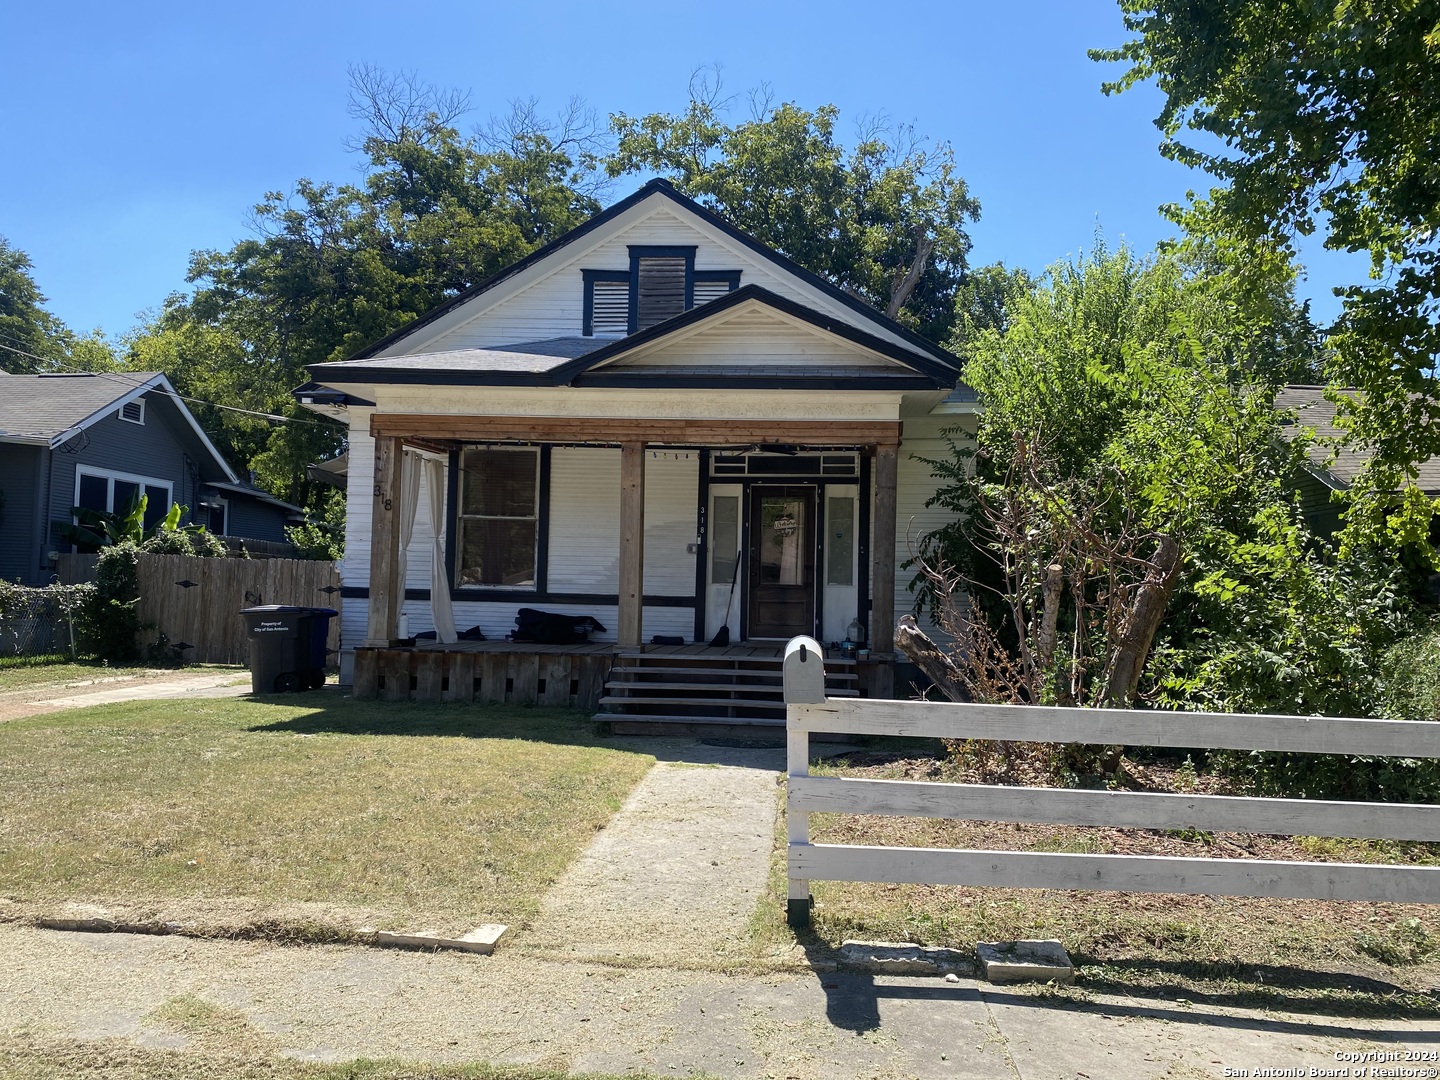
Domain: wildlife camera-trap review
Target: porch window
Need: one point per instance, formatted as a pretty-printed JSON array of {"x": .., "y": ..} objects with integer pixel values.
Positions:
[{"x": 499, "y": 516}]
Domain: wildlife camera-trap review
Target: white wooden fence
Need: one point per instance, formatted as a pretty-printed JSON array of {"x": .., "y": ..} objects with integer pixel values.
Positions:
[{"x": 808, "y": 794}]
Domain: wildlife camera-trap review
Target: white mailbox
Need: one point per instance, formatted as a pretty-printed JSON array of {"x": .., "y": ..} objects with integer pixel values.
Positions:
[{"x": 804, "y": 672}]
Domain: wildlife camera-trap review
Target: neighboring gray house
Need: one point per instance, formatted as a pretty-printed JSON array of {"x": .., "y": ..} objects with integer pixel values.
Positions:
[
  {"x": 93, "y": 440},
  {"x": 1334, "y": 468}
]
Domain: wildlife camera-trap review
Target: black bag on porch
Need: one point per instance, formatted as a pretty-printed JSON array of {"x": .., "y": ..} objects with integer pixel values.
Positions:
[{"x": 548, "y": 628}]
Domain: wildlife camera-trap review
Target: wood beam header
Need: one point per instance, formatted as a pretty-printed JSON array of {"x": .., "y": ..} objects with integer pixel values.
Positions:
[{"x": 573, "y": 429}]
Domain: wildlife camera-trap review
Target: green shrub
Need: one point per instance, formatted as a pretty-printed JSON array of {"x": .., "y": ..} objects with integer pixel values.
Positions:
[
  {"x": 111, "y": 620},
  {"x": 187, "y": 541},
  {"x": 1410, "y": 675}
]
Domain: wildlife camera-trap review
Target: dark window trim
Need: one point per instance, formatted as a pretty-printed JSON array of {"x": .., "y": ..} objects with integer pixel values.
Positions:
[
  {"x": 659, "y": 251},
  {"x": 590, "y": 278},
  {"x": 542, "y": 524},
  {"x": 730, "y": 277},
  {"x": 862, "y": 597},
  {"x": 452, "y": 525},
  {"x": 702, "y": 545}
]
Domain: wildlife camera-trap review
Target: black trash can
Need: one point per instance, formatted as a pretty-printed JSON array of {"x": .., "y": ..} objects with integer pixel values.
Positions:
[{"x": 287, "y": 647}]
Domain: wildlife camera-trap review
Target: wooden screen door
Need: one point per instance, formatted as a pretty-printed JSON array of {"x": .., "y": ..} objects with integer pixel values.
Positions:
[{"x": 782, "y": 561}]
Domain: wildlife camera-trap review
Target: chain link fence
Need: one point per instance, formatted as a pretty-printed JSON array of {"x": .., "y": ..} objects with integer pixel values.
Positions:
[{"x": 41, "y": 622}]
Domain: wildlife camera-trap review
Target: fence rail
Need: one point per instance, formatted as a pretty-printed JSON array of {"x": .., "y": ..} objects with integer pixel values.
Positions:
[
  {"x": 196, "y": 601},
  {"x": 809, "y": 713}
]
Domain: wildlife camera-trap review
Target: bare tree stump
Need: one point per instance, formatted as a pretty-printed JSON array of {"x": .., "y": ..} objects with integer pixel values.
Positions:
[{"x": 930, "y": 658}]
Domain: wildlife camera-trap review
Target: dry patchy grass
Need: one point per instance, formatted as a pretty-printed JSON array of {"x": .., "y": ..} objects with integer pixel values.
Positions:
[
  {"x": 31, "y": 1058},
  {"x": 32, "y": 673},
  {"x": 411, "y": 815}
]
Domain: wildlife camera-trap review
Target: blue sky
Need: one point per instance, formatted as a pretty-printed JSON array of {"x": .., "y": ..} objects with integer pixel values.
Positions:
[{"x": 137, "y": 133}]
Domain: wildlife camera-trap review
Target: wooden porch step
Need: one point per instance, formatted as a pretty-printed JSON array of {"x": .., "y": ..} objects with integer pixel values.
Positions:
[
  {"x": 766, "y": 659},
  {"x": 723, "y": 688},
  {"x": 698, "y": 702},
  {"x": 769, "y": 676},
  {"x": 662, "y": 718}
]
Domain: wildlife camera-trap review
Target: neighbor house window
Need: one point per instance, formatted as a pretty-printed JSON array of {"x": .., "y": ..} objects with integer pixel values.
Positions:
[
  {"x": 108, "y": 492},
  {"x": 662, "y": 282},
  {"x": 499, "y": 516}
]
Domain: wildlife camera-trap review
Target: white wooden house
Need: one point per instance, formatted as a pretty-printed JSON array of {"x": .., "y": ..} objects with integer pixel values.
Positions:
[{"x": 620, "y": 425}]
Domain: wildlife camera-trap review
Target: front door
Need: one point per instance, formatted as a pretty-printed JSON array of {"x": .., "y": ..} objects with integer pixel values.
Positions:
[{"x": 782, "y": 561}]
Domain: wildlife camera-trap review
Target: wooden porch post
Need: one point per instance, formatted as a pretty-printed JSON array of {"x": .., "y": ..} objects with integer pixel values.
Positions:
[
  {"x": 632, "y": 543},
  {"x": 386, "y": 594},
  {"x": 882, "y": 587}
]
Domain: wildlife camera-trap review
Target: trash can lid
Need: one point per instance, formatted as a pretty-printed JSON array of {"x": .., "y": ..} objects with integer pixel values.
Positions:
[{"x": 274, "y": 609}]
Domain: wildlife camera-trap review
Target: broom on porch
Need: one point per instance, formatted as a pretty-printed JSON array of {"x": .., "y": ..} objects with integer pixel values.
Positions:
[{"x": 722, "y": 636}]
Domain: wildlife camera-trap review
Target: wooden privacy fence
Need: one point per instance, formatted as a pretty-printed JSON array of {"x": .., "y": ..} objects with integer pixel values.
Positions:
[
  {"x": 807, "y": 794},
  {"x": 197, "y": 601}
]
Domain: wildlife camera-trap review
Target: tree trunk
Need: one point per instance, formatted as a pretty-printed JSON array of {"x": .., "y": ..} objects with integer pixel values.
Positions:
[
  {"x": 1141, "y": 622},
  {"x": 905, "y": 285},
  {"x": 930, "y": 658},
  {"x": 1050, "y": 588}
]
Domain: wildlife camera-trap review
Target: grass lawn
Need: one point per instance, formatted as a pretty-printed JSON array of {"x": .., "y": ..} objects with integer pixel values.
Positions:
[
  {"x": 27, "y": 672},
  {"x": 232, "y": 1055},
  {"x": 1373, "y": 958},
  {"x": 399, "y": 814}
]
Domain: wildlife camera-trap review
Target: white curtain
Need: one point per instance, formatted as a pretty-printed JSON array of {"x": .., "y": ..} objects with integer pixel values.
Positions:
[
  {"x": 440, "y": 609},
  {"x": 409, "y": 500}
]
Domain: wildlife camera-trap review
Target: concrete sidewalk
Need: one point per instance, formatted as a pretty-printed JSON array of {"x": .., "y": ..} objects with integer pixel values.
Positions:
[{"x": 336, "y": 1003}]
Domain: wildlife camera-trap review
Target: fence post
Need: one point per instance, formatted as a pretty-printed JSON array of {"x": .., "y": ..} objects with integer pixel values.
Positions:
[{"x": 804, "y": 683}]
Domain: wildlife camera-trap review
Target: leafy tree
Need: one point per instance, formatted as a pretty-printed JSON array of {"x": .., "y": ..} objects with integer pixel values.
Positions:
[
  {"x": 334, "y": 267},
  {"x": 1322, "y": 116},
  {"x": 983, "y": 300},
  {"x": 31, "y": 338},
  {"x": 1124, "y": 411},
  {"x": 884, "y": 220}
]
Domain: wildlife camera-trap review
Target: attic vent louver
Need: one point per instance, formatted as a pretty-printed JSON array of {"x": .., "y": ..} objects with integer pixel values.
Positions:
[
  {"x": 611, "y": 310},
  {"x": 660, "y": 294},
  {"x": 133, "y": 411}
]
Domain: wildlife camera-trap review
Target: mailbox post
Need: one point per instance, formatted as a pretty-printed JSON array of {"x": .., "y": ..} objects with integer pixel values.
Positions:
[{"x": 804, "y": 682}]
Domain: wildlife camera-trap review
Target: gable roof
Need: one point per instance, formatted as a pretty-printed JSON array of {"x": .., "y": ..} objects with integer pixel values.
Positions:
[
  {"x": 664, "y": 189},
  {"x": 571, "y": 361},
  {"x": 50, "y": 409},
  {"x": 1338, "y": 465}
]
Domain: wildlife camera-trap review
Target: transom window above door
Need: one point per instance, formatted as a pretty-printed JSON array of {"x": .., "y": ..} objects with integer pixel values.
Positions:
[{"x": 662, "y": 282}]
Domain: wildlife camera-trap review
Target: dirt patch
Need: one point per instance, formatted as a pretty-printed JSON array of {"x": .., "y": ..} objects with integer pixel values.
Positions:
[{"x": 56, "y": 697}]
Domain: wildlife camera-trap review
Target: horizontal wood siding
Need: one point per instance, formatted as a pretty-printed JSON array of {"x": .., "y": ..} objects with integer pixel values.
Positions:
[
  {"x": 757, "y": 336},
  {"x": 20, "y": 476},
  {"x": 585, "y": 520},
  {"x": 553, "y": 305},
  {"x": 915, "y": 484},
  {"x": 671, "y": 490},
  {"x": 255, "y": 520},
  {"x": 112, "y": 445},
  {"x": 584, "y": 542}
]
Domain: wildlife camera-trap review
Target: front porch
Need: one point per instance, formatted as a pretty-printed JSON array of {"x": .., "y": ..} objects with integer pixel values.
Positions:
[
  {"x": 592, "y": 527},
  {"x": 667, "y": 684}
]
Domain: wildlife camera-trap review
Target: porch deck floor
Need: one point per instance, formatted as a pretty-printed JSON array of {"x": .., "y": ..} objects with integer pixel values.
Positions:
[{"x": 604, "y": 648}]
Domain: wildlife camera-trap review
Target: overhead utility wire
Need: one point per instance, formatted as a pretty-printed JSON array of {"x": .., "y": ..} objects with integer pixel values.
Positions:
[{"x": 132, "y": 381}]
